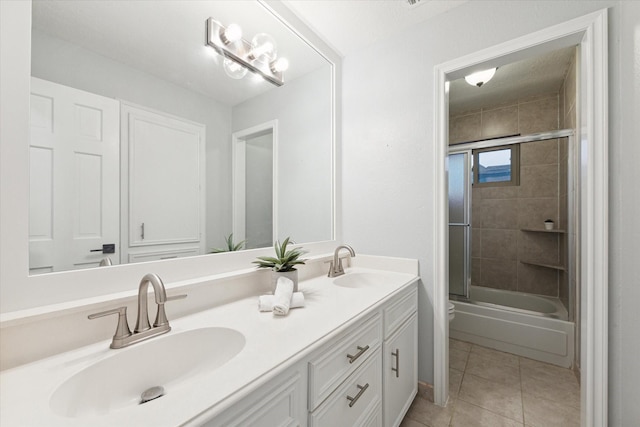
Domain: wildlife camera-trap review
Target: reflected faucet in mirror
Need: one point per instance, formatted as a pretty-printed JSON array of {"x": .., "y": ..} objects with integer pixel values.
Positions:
[
  {"x": 335, "y": 268},
  {"x": 143, "y": 330},
  {"x": 105, "y": 262}
]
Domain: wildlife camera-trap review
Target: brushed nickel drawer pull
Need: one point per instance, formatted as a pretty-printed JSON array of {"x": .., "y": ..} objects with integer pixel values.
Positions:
[
  {"x": 353, "y": 400},
  {"x": 397, "y": 368},
  {"x": 358, "y": 354}
]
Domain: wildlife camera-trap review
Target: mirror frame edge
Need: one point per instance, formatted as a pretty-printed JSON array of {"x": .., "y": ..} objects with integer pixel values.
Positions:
[{"x": 28, "y": 292}]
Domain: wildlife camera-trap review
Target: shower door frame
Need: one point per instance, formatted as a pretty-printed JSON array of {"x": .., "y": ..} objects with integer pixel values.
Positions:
[
  {"x": 589, "y": 33},
  {"x": 572, "y": 225},
  {"x": 467, "y": 219}
]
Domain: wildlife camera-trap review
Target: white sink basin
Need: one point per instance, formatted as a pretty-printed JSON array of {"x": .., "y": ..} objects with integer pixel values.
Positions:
[
  {"x": 170, "y": 361},
  {"x": 361, "y": 280}
]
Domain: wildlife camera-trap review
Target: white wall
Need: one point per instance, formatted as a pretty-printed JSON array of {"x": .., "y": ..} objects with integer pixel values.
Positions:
[
  {"x": 61, "y": 62},
  {"x": 303, "y": 110},
  {"x": 388, "y": 129}
]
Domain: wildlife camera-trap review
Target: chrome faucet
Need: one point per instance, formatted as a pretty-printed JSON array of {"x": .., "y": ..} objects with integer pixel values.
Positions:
[
  {"x": 335, "y": 268},
  {"x": 142, "y": 324},
  {"x": 143, "y": 330}
]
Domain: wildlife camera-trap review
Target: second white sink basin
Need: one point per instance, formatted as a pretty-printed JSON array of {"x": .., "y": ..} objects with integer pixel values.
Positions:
[
  {"x": 360, "y": 280},
  {"x": 170, "y": 361}
]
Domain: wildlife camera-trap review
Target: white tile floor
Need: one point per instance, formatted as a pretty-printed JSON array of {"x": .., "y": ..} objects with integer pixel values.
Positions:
[{"x": 493, "y": 389}]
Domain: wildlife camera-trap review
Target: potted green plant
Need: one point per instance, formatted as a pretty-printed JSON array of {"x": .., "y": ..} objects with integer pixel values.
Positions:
[
  {"x": 284, "y": 263},
  {"x": 231, "y": 247}
]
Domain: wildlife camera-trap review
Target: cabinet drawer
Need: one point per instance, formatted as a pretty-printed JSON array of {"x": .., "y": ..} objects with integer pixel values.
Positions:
[
  {"x": 400, "y": 310},
  {"x": 357, "y": 402},
  {"x": 335, "y": 363},
  {"x": 374, "y": 419}
]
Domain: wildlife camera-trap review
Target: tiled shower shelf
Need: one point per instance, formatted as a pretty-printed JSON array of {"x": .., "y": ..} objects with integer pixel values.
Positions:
[
  {"x": 541, "y": 264},
  {"x": 540, "y": 230}
]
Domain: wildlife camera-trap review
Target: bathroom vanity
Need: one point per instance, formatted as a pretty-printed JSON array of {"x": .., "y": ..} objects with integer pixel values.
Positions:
[{"x": 349, "y": 357}]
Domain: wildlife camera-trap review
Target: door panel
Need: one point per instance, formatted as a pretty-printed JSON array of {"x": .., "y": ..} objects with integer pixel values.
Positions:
[
  {"x": 74, "y": 184},
  {"x": 166, "y": 170},
  {"x": 459, "y": 223}
]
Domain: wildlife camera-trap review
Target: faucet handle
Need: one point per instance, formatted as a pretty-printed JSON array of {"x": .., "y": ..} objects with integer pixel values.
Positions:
[
  {"x": 161, "y": 315},
  {"x": 122, "y": 330}
]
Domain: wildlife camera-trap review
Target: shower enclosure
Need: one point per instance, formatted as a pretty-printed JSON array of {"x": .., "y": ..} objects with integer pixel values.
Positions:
[{"x": 511, "y": 279}]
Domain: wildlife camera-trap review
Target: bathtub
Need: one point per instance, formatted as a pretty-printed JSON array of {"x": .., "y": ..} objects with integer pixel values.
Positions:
[{"x": 527, "y": 325}]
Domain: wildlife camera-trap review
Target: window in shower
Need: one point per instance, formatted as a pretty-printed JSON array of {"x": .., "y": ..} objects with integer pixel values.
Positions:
[{"x": 496, "y": 166}]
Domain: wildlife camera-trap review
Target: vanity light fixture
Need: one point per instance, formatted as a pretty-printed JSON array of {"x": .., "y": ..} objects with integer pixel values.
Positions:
[
  {"x": 259, "y": 56},
  {"x": 481, "y": 77}
]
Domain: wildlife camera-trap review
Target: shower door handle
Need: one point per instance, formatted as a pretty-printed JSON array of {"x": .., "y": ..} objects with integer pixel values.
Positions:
[{"x": 459, "y": 224}]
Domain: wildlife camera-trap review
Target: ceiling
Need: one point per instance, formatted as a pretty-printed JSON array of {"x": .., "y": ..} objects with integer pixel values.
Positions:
[
  {"x": 351, "y": 25},
  {"x": 543, "y": 74}
]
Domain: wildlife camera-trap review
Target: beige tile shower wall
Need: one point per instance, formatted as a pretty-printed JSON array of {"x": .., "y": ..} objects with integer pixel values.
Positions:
[
  {"x": 499, "y": 213},
  {"x": 530, "y": 115}
]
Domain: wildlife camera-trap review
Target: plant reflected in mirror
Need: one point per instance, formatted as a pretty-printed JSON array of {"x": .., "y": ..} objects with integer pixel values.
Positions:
[{"x": 231, "y": 246}]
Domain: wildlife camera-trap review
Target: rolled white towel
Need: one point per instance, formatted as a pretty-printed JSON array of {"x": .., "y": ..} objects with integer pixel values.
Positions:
[
  {"x": 282, "y": 296},
  {"x": 265, "y": 302}
]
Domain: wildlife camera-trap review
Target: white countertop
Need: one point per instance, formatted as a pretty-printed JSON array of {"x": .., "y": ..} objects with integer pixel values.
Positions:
[{"x": 271, "y": 341}]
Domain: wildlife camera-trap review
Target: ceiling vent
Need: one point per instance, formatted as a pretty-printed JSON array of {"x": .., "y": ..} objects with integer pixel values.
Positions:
[{"x": 412, "y": 4}]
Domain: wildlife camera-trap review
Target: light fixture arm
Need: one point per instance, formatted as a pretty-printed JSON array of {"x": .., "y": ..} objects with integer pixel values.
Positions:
[{"x": 240, "y": 52}]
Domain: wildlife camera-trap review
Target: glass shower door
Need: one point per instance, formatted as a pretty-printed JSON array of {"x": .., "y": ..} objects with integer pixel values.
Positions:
[{"x": 459, "y": 224}]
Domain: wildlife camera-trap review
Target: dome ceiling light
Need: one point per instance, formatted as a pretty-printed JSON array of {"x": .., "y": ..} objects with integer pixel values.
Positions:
[{"x": 481, "y": 77}]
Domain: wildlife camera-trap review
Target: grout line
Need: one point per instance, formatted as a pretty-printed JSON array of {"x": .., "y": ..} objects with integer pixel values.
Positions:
[{"x": 521, "y": 388}]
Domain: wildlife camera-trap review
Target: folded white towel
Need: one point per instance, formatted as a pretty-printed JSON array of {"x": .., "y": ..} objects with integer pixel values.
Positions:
[
  {"x": 265, "y": 302},
  {"x": 282, "y": 296}
]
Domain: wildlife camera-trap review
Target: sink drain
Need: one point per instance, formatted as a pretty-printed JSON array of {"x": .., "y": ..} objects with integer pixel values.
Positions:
[{"x": 151, "y": 394}]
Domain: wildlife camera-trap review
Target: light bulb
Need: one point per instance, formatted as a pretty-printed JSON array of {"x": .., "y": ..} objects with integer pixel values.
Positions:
[
  {"x": 280, "y": 65},
  {"x": 231, "y": 34},
  {"x": 233, "y": 69},
  {"x": 481, "y": 77},
  {"x": 263, "y": 48}
]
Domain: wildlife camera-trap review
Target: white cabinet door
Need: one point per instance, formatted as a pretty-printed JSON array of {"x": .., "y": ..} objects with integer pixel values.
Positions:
[
  {"x": 74, "y": 187},
  {"x": 166, "y": 161},
  {"x": 400, "y": 376},
  {"x": 277, "y": 404}
]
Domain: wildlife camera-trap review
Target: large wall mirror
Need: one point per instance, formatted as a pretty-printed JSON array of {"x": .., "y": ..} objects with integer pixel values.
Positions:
[{"x": 143, "y": 147}]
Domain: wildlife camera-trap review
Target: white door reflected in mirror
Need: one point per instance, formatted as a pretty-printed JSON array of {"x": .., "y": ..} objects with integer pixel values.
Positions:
[
  {"x": 255, "y": 185},
  {"x": 74, "y": 184}
]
